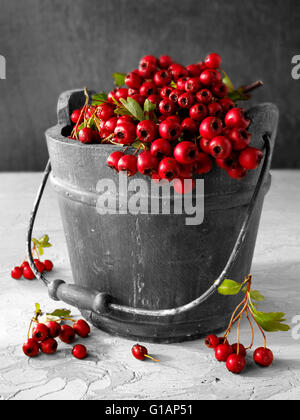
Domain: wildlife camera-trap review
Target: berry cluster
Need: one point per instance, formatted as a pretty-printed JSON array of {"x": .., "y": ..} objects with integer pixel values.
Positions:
[
  {"x": 38, "y": 249},
  {"x": 183, "y": 119},
  {"x": 43, "y": 335},
  {"x": 235, "y": 355}
]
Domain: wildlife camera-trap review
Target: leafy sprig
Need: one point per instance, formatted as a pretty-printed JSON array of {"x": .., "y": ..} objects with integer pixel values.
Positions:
[{"x": 40, "y": 244}]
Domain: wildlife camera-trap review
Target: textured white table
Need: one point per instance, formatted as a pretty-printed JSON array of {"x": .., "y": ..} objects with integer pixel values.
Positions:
[{"x": 187, "y": 370}]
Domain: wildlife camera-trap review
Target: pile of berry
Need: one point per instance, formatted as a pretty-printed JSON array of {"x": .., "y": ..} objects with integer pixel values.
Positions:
[
  {"x": 181, "y": 120},
  {"x": 43, "y": 335}
]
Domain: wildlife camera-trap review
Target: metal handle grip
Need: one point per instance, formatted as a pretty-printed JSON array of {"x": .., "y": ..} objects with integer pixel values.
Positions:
[{"x": 102, "y": 303}]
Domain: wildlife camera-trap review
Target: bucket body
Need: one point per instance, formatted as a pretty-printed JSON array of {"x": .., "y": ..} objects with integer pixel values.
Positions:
[{"x": 153, "y": 261}]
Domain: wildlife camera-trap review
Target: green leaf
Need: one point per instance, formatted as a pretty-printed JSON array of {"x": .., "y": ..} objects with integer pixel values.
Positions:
[
  {"x": 271, "y": 322},
  {"x": 99, "y": 99},
  {"x": 228, "y": 82},
  {"x": 149, "y": 106},
  {"x": 40, "y": 250},
  {"x": 254, "y": 294},
  {"x": 229, "y": 288},
  {"x": 173, "y": 84},
  {"x": 119, "y": 79},
  {"x": 137, "y": 145},
  {"x": 134, "y": 108},
  {"x": 238, "y": 95},
  {"x": 37, "y": 307},
  {"x": 61, "y": 313}
]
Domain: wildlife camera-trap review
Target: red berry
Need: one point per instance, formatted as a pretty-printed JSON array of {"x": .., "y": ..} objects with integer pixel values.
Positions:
[
  {"x": 210, "y": 127},
  {"x": 229, "y": 162},
  {"x": 161, "y": 148},
  {"x": 89, "y": 112},
  {"x": 181, "y": 83},
  {"x": 147, "y": 67},
  {"x": 186, "y": 100},
  {"x": 194, "y": 70},
  {"x": 146, "y": 131},
  {"x": 192, "y": 85},
  {"x": 48, "y": 265},
  {"x": 236, "y": 363},
  {"x": 48, "y": 346},
  {"x": 28, "y": 273},
  {"x": 204, "y": 144},
  {"x": 169, "y": 129},
  {"x": 198, "y": 112},
  {"x": 210, "y": 77},
  {"x": 81, "y": 328},
  {"x": 125, "y": 118},
  {"x": 175, "y": 94},
  {"x": 125, "y": 133},
  {"x": 54, "y": 329},
  {"x": 128, "y": 164},
  {"x": 76, "y": 115},
  {"x": 111, "y": 97},
  {"x": 67, "y": 334},
  {"x": 177, "y": 71},
  {"x": 139, "y": 351},
  {"x": 240, "y": 138},
  {"x": 219, "y": 90},
  {"x": 148, "y": 88},
  {"x": 113, "y": 159},
  {"x": 212, "y": 341},
  {"x": 226, "y": 104},
  {"x": 222, "y": 352},
  {"x": 16, "y": 273},
  {"x": 220, "y": 147},
  {"x": 105, "y": 111},
  {"x": 24, "y": 264},
  {"x": 39, "y": 265},
  {"x": 236, "y": 171},
  {"x": 168, "y": 169},
  {"x": 203, "y": 164},
  {"x": 188, "y": 128},
  {"x": 239, "y": 349},
  {"x": 250, "y": 158},
  {"x": 110, "y": 125},
  {"x": 187, "y": 171},
  {"x": 263, "y": 357},
  {"x": 79, "y": 351},
  {"x": 215, "y": 109},
  {"x": 121, "y": 93},
  {"x": 140, "y": 99},
  {"x": 185, "y": 152},
  {"x": 204, "y": 96},
  {"x": 165, "y": 91},
  {"x": 213, "y": 61},
  {"x": 86, "y": 135},
  {"x": 162, "y": 78},
  {"x": 133, "y": 80},
  {"x": 31, "y": 348},
  {"x": 40, "y": 332},
  {"x": 235, "y": 118},
  {"x": 155, "y": 99},
  {"x": 146, "y": 163},
  {"x": 164, "y": 61},
  {"x": 167, "y": 107}
]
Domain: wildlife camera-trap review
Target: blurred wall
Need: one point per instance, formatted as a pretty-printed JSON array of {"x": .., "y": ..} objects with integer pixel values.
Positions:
[{"x": 54, "y": 45}]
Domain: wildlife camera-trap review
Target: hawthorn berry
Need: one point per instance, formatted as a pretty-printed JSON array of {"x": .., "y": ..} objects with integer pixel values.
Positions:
[
  {"x": 222, "y": 352},
  {"x": 174, "y": 95},
  {"x": 168, "y": 168},
  {"x": 220, "y": 147},
  {"x": 39, "y": 265},
  {"x": 250, "y": 158},
  {"x": 31, "y": 348},
  {"x": 113, "y": 159},
  {"x": 185, "y": 152},
  {"x": 139, "y": 352},
  {"x": 169, "y": 129},
  {"x": 166, "y": 107},
  {"x": 79, "y": 351},
  {"x": 125, "y": 133},
  {"x": 146, "y": 131},
  {"x": 203, "y": 164},
  {"x": 198, "y": 112},
  {"x": 67, "y": 334},
  {"x": 263, "y": 357},
  {"x": 194, "y": 70},
  {"x": 110, "y": 125},
  {"x": 24, "y": 264},
  {"x": 133, "y": 80},
  {"x": 105, "y": 111},
  {"x": 210, "y": 77},
  {"x": 185, "y": 100},
  {"x": 236, "y": 363},
  {"x": 54, "y": 329},
  {"x": 81, "y": 328},
  {"x": 48, "y": 265},
  {"x": 229, "y": 162},
  {"x": 148, "y": 88},
  {"x": 162, "y": 78},
  {"x": 237, "y": 171},
  {"x": 161, "y": 148},
  {"x": 128, "y": 164},
  {"x": 178, "y": 71},
  {"x": 147, "y": 67},
  {"x": 146, "y": 163},
  {"x": 16, "y": 273},
  {"x": 239, "y": 349},
  {"x": 165, "y": 91},
  {"x": 48, "y": 346},
  {"x": 121, "y": 93},
  {"x": 40, "y": 332},
  {"x": 164, "y": 61},
  {"x": 181, "y": 83},
  {"x": 215, "y": 109},
  {"x": 192, "y": 85},
  {"x": 140, "y": 99},
  {"x": 235, "y": 118},
  {"x": 188, "y": 127},
  {"x": 213, "y": 61},
  {"x": 219, "y": 90},
  {"x": 212, "y": 341},
  {"x": 240, "y": 138},
  {"x": 226, "y": 104},
  {"x": 204, "y": 144},
  {"x": 28, "y": 273},
  {"x": 77, "y": 116},
  {"x": 86, "y": 135},
  {"x": 204, "y": 96},
  {"x": 210, "y": 127},
  {"x": 155, "y": 99}
]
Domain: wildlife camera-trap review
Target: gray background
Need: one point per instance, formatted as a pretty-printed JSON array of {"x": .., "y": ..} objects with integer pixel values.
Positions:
[{"x": 51, "y": 46}]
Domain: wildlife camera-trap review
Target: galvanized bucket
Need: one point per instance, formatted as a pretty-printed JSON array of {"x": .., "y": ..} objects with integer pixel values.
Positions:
[{"x": 152, "y": 277}]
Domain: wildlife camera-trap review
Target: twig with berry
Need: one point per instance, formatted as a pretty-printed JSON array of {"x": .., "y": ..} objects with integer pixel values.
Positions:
[
  {"x": 235, "y": 355},
  {"x": 38, "y": 247}
]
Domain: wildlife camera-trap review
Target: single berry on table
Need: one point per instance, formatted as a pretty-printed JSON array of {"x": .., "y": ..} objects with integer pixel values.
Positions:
[
  {"x": 236, "y": 363},
  {"x": 79, "y": 351},
  {"x": 16, "y": 273},
  {"x": 263, "y": 357}
]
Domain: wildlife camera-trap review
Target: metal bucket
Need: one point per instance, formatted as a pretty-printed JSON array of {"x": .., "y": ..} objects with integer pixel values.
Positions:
[{"x": 136, "y": 275}]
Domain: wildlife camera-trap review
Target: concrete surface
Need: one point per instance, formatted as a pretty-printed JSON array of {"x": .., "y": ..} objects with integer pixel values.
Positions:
[{"x": 187, "y": 370}]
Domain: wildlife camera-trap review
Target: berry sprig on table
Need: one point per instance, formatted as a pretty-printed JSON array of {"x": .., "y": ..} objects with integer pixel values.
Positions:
[
  {"x": 235, "y": 355},
  {"x": 38, "y": 246},
  {"x": 42, "y": 336},
  {"x": 180, "y": 119}
]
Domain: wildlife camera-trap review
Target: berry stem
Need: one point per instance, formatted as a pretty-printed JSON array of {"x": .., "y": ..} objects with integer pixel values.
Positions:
[
  {"x": 252, "y": 86},
  {"x": 252, "y": 330},
  {"x": 238, "y": 335},
  {"x": 152, "y": 358},
  {"x": 261, "y": 330}
]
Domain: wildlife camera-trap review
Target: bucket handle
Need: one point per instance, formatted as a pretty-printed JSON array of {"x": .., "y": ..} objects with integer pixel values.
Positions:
[{"x": 102, "y": 303}]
